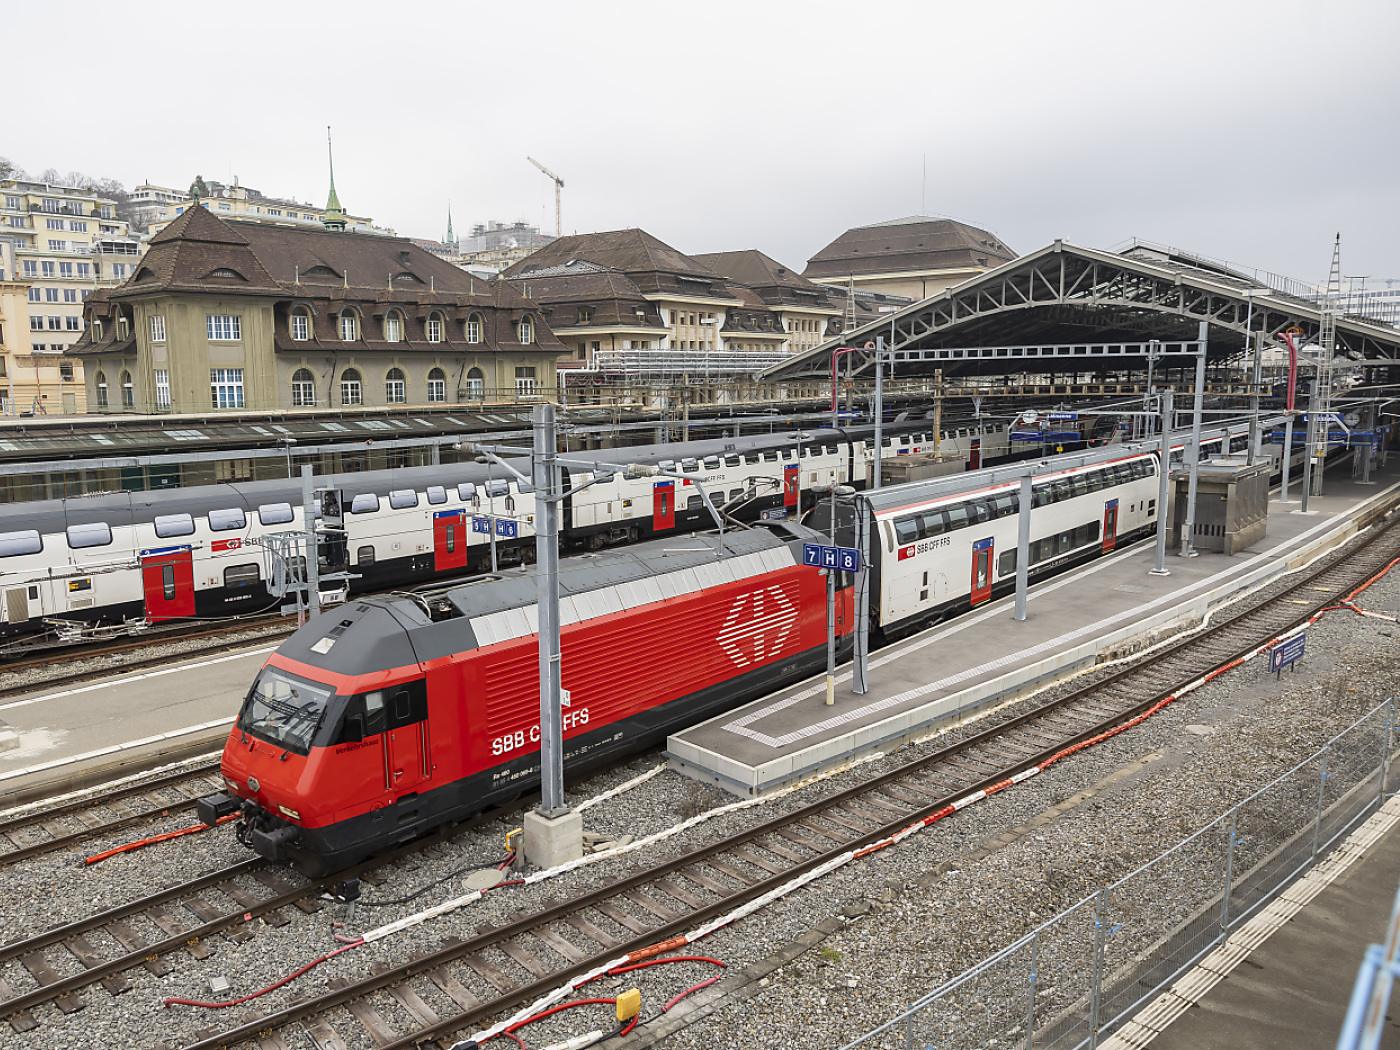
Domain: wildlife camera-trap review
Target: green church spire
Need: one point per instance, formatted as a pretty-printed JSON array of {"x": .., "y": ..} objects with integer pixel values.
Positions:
[{"x": 335, "y": 217}]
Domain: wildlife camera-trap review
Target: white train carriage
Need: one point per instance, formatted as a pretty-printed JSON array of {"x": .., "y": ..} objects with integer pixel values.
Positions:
[{"x": 951, "y": 543}]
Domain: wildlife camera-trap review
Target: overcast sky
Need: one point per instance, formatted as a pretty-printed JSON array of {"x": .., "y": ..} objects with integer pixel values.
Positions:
[{"x": 1247, "y": 131}]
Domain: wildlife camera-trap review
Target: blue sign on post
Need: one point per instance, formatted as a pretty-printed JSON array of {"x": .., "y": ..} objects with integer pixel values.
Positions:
[
  {"x": 1287, "y": 653},
  {"x": 506, "y": 528},
  {"x": 480, "y": 524},
  {"x": 820, "y": 556},
  {"x": 1061, "y": 417}
]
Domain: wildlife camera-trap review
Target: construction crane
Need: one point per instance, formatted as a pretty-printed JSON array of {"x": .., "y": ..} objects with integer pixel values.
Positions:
[{"x": 558, "y": 185}]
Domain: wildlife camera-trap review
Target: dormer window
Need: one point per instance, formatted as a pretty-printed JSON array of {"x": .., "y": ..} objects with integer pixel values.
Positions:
[
  {"x": 348, "y": 328},
  {"x": 526, "y": 331},
  {"x": 585, "y": 314},
  {"x": 301, "y": 326},
  {"x": 123, "y": 327},
  {"x": 474, "y": 328},
  {"x": 393, "y": 327},
  {"x": 435, "y": 329},
  {"x": 96, "y": 330}
]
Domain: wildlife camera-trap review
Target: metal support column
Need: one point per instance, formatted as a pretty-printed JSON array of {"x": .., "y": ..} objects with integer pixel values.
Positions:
[
  {"x": 546, "y": 484},
  {"x": 1311, "y": 440},
  {"x": 1369, "y": 451},
  {"x": 1257, "y": 377},
  {"x": 313, "y": 553},
  {"x": 1023, "y": 548},
  {"x": 1229, "y": 874},
  {"x": 831, "y": 615},
  {"x": 1164, "y": 476},
  {"x": 879, "y": 405},
  {"x": 1188, "y": 527},
  {"x": 860, "y": 663}
]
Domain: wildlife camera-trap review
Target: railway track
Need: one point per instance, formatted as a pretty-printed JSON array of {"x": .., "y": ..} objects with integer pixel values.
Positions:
[
  {"x": 464, "y": 983},
  {"x": 58, "y": 827},
  {"x": 507, "y": 965}
]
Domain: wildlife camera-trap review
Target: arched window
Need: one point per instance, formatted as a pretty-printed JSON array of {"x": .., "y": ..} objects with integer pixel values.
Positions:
[
  {"x": 128, "y": 391},
  {"x": 435, "y": 328},
  {"x": 351, "y": 388},
  {"x": 476, "y": 384},
  {"x": 437, "y": 385},
  {"x": 101, "y": 380},
  {"x": 526, "y": 330},
  {"x": 301, "y": 325},
  {"x": 474, "y": 327},
  {"x": 394, "y": 390},
  {"x": 303, "y": 388},
  {"x": 393, "y": 327},
  {"x": 349, "y": 327}
]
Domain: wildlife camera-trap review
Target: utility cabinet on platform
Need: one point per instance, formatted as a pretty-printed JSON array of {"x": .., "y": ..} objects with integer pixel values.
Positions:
[{"x": 1232, "y": 505}]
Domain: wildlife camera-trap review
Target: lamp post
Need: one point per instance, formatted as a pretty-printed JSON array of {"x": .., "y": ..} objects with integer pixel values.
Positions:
[
  {"x": 287, "y": 444},
  {"x": 844, "y": 491}
]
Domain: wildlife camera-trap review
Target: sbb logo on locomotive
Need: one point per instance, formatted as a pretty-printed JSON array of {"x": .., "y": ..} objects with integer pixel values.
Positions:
[{"x": 511, "y": 741}]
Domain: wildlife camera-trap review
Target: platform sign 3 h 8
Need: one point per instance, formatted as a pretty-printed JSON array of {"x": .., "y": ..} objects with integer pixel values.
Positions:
[{"x": 820, "y": 556}]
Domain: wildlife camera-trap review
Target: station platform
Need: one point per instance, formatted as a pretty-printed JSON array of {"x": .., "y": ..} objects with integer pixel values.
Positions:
[
  {"x": 1293, "y": 989},
  {"x": 984, "y": 658}
]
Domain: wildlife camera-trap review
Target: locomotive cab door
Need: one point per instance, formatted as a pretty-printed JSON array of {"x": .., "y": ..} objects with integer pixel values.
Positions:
[
  {"x": 406, "y": 742},
  {"x": 663, "y": 505},
  {"x": 1110, "y": 525},
  {"x": 449, "y": 540},
  {"x": 167, "y": 582},
  {"x": 792, "y": 488},
  {"x": 982, "y": 552}
]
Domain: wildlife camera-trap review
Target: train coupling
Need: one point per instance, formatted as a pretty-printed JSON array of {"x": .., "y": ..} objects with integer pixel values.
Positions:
[
  {"x": 266, "y": 835},
  {"x": 213, "y": 808}
]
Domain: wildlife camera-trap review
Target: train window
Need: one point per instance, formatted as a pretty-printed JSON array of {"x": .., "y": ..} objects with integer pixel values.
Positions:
[
  {"x": 770, "y": 457},
  {"x": 735, "y": 495},
  {"x": 711, "y": 462},
  {"x": 1093, "y": 481},
  {"x": 886, "y": 442},
  {"x": 364, "y": 556},
  {"x": 437, "y": 494},
  {"x": 1040, "y": 495},
  {"x": 275, "y": 513},
  {"x": 242, "y": 575},
  {"x": 167, "y": 582},
  {"x": 403, "y": 499},
  {"x": 369, "y": 709},
  {"x": 732, "y": 461},
  {"x": 1080, "y": 484},
  {"x": 978, "y": 511},
  {"x": 694, "y": 503},
  {"x": 1065, "y": 541},
  {"x": 957, "y": 517},
  {"x": 1042, "y": 550},
  {"x": 364, "y": 503},
  {"x": 689, "y": 466},
  {"x": 168, "y": 526},
  {"x": 96, "y": 534},
  {"x": 224, "y": 520},
  {"x": 284, "y": 709},
  {"x": 1062, "y": 489},
  {"x": 1006, "y": 564},
  {"x": 13, "y": 544},
  {"x": 906, "y": 530},
  {"x": 933, "y": 523},
  {"x": 465, "y": 491},
  {"x": 1008, "y": 505},
  {"x": 666, "y": 464},
  {"x": 752, "y": 458},
  {"x": 498, "y": 488}
]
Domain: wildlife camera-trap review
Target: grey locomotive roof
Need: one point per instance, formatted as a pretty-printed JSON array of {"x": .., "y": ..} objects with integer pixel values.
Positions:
[
  {"x": 395, "y": 630},
  {"x": 125, "y": 508}
]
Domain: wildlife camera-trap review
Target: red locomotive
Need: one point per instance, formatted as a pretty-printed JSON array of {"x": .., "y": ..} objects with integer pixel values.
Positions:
[{"x": 389, "y": 716}]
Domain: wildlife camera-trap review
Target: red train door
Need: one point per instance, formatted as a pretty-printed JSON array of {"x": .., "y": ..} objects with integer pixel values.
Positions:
[
  {"x": 663, "y": 505},
  {"x": 1110, "y": 525},
  {"x": 167, "y": 581},
  {"x": 974, "y": 455},
  {"x": 405, "y": 755},
  {"x": 982, "y": 570},
  {"x": 792, "y": 485},
  {"x": 449, "y": 540}
]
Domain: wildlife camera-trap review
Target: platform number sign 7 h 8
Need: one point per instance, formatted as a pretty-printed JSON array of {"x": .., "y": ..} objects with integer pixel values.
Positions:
[{"x": 820, "y": 556}]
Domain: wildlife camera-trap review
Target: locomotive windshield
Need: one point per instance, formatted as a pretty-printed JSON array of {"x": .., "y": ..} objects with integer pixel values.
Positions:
[{"x": 284, "y": 710}]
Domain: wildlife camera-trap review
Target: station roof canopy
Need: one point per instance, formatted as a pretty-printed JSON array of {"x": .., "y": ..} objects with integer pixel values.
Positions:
[{"x": 1066, "y": 308}]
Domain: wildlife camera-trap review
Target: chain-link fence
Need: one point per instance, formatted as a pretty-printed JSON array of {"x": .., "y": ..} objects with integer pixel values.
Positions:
[{"x": 1072, "y": 980}]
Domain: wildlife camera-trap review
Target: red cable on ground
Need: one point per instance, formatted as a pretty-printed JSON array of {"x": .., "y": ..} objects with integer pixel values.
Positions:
[
  {"x": 693, "y": 988},
  {"x": 616, "y": 970},
  {"x": 143, "y": 843},
  {"x": 512, "y": 1029},
  {"x": 505, "y": 1035},
  {"x": 271, "y": 987}
]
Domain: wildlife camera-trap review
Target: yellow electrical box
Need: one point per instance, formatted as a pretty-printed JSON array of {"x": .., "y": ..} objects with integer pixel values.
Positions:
[{"x": 629, "y": 1004}]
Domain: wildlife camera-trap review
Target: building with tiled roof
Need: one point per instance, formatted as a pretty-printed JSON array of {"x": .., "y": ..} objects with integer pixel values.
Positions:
[
  {"x": 916, "y": 256},
  {"x": 253, "y": 315}
]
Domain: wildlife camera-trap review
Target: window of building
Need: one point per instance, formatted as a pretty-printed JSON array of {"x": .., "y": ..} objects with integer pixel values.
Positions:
[
  {"x": 128, "y": 391},
  {"x": 65, "y": 371},
  {"x": 162, "y": 387},
  {"x": 524, "y": 380},
  {"x": 393, "y": 328},
  {"x": 55, "y": 323},
  {"x": 97, "y": 330},
  {"x": 106, "y": 211},
  {"x": 301, "y": 326},
  {"x": 119, "y": 269},
  {"x": 526, "y": 330},
  {"x": 76, "y": 227},
  {"x": 54, "y": 224},
  {"x": 36, "y": 322},
  {"x": 224, "y": 327},
  {"x": 70, "y": 295},
  {"x": 226, "y": 387},
  {"x": 394, "y": 387},
  {"x": 123, "y": 326},
  {"x": 84, "y": 269},
  {"x": 158, "y": 328},
  {"x": 351, "y": 389},
  {"x": 474, "y": 328},
  {"x": 435, "y": 329},
  {"x": 31, "y": 268},
  {"x": 51, "y": 295},
  {"x": 100, "y": 384},
  {"x": 347, "y": 328},
  {"x": 437, "y": 385},
  {"x": 47, "y": 269},
  {"x": 72, "y": 323},
  {"x": 303, "y": 388},
  {"x": 52, "y": 204},
  {"x": 58, "y": 246},
  {"x": 36, "y": 295},
  {"x": 12, "y": 203},
  {"x": 65, "y": 269},
  {"x": 476, "y": 384}
]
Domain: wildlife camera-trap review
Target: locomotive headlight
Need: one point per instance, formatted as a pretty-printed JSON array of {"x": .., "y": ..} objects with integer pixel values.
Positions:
[
  {"x": 289, "y": 812},
  {"x": 233, "y": 785}
]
